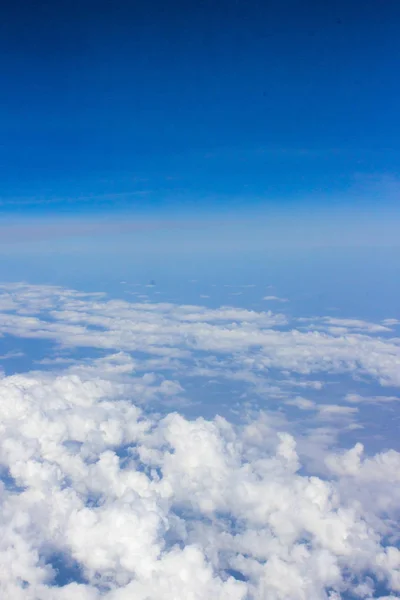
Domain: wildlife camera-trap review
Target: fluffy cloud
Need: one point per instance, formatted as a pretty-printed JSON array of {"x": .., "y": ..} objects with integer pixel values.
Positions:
[
  {"x": 103, "y": 497},
  {"x": 149, "y": 507}
]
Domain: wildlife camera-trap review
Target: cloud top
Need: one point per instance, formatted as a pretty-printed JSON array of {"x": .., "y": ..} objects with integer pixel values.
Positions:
[{"x": 103, "y": 497}]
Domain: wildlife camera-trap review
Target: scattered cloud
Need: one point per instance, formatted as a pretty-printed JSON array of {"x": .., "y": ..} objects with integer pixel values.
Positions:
[{"x": 256, "y": 341}]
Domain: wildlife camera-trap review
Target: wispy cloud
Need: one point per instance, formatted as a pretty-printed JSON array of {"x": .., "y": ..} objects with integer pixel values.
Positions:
[
  {"x": 15, "y": 231},
  {"x": 275, "y": 299}
]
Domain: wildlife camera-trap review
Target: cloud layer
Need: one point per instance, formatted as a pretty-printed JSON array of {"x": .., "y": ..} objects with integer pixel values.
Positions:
[{"x": 104, "y": 497}]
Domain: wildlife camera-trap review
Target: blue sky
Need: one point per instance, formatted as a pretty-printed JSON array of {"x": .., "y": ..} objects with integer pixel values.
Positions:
[{"x": 198, "y": 107}]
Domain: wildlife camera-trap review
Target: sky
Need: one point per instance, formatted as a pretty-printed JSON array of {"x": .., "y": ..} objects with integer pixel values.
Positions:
[
  {"x": 199, "y": 300},
  {"x": 198, "y": 108}
]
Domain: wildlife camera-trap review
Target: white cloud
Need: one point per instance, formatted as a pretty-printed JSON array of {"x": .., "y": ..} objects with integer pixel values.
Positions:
[
  {"x": 159, "y": 507},
  {"x": 163, "y": 329},
  {"x": 335, "y": 409},
  {"x": 191, "y": 500},
  {"x": 390, "y": 322},
  {"x": 302, "y": 403},
  {"x": 358, "y": 399},
  {"x": 10, "y": 355},
  {"x": 342, "y": 326},
  {"x": 275, "y": 298},
  {"x": 325, "y": 411}
]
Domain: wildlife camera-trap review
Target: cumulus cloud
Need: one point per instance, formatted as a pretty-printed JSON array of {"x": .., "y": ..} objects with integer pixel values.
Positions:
[
  {"x": 149, "y": 507},
  {"x": 104, "y": 497}
]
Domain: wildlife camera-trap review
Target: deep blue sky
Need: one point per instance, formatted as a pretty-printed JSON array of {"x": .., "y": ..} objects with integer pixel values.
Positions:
[{"x": 142, "y": 104}]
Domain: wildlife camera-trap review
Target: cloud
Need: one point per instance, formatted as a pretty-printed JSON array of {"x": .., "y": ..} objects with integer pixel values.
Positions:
[
  {"x": 343, "y": 326},
  {"x": 10, "y": 355},
  {"x": 258, "y": 341},
  {"x": 358, "y": 399},
  {"x": 184, "y": 504},
  {"x": 390, "y": 322},
  {"x": 104, "y": 496},
  {"x": 302, "y": 403},
  {"x": 275, "y": 298},
  {"x": 336, "y": 409},
  {"x": 167, "y": 508},
  {"x": 325, "y": 411}
]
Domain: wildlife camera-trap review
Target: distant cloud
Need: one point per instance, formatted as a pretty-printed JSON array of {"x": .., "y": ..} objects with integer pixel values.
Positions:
[
  {"x": 335, "y": 409},
  {"x": 324, "y": 410},
  {"x": 77, "y": 320},
  {"x": 390, "y": 322},
  {"x": 358, "y": 399},
  {"x": 10, "y": 355},
  {"x": 302, "y": 403},
  {"x": 342, "y": 326},
  {"x": 275, "y": 298}
]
